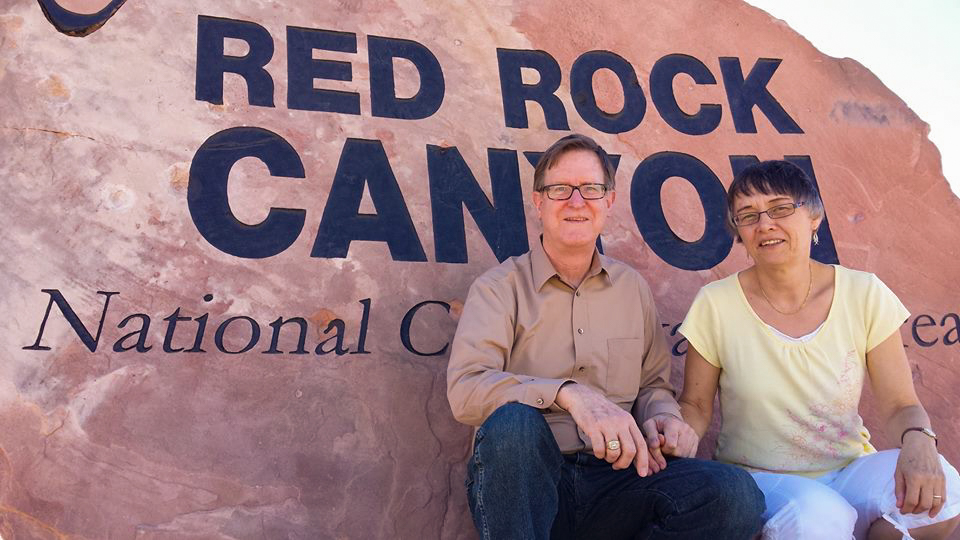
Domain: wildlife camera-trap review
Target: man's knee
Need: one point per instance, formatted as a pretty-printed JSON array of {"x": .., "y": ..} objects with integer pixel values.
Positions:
[
  {"x": 513, "y": 473},
  {"x": 515, "y": 430},
  {"x": 813, "y": 514},
  {"x": 738, "y": 502}
]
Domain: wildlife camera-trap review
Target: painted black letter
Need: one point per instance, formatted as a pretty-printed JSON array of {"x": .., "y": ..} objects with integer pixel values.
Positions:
[
  {"x": 408, "y": 320},
  {"x": 302, "y": 69},
  {"x": 364, "y": 162},
  {"x": 647, "y": 205},
  {"x": 661, "y": 90},
  {"x": 515, "y": 94},
  {"x": 275, "y": 339},
  {"x": 383, "y": 93},
  {"x": 928, "y": 321},
  {"x": 955, "y": 331},
  {"x": 207, "y": 193},
  {"x": 453, "y": 186},
  {"x": 141, "y": 344},
  {"x": 581, "y": 90},
  {"x": 254, "y": 334},
  {"x": 56, "y": 298},
  {"x": 212, "y": 63},
  {"x": 743, "y": 96}
]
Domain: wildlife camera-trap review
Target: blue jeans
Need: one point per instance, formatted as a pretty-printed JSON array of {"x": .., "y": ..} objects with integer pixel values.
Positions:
[{"x": 519, "y": 485}]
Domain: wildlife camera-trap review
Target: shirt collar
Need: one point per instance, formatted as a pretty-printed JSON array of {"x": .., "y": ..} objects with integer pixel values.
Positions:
[{"x": 543, "y": 269}]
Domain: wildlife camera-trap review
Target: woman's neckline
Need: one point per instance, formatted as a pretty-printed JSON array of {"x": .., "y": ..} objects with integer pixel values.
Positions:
[{"x": 772, "y": 330}]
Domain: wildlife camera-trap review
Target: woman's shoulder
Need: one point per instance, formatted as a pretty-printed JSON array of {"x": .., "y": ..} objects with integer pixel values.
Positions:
[
  {"x": 722, "y": 292},
  {"x": 722, "y": 286},
  {"x": 856, "y": 280},
  {"x": 853, "y": 274}
]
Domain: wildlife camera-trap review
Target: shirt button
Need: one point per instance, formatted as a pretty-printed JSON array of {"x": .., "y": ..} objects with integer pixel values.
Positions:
[
  {"x": 582, "y": 369},
  {"x": 579, "y": 330},
  {"x": 539, "y": 401},
  {"x": 578, "y": 293}
]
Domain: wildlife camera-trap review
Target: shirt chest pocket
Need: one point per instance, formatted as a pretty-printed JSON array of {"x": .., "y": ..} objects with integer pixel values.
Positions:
[{"x": 624, "y": 368}]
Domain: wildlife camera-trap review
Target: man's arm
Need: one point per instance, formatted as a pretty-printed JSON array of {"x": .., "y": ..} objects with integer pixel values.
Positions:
[
  {"x": 477, "y": 383},
  {"x": 656, "y": 409},
  {"x": 656, "y": 395}
]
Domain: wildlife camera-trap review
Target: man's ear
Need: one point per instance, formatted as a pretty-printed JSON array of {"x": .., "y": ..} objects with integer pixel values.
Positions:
[
  {"x": 611, "y": 196},
  {"x": 537, "y": 201}
]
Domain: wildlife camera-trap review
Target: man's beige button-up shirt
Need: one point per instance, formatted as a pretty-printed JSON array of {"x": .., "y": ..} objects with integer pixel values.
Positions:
[{"x": 524, "y": 332}]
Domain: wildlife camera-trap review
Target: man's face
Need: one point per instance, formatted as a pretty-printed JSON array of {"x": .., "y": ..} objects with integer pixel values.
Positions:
[{"x": 575, "y": 222}]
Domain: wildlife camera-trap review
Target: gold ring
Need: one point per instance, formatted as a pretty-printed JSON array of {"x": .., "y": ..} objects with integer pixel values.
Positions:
[
  {"x": 937, "y": 497},
  {"x": 613, "y": 445}
]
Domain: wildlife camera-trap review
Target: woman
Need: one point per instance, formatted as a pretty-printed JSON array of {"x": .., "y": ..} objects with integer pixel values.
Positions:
[{"x": 788, "y": 342}]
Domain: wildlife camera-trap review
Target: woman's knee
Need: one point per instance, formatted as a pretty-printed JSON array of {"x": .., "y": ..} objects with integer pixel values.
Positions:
[
  {"x": 799, "y": 507},
  {"x": 814, "y": 512}
]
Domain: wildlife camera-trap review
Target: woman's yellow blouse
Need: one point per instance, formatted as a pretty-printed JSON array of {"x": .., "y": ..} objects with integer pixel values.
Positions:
[{"x": 792, "y": 407}]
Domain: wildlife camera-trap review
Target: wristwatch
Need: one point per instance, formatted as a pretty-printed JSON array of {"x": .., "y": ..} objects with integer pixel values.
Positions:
[{"x": 926, "y": 431}]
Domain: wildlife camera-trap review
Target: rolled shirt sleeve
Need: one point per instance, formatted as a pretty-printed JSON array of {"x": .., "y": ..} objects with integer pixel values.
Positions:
[{"x": 476, "y": 381}]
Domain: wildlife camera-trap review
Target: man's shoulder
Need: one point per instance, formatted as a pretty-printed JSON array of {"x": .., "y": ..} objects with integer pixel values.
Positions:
[
  {"x": 505, "y": 273},
  {"x": 621, "y": 272}
]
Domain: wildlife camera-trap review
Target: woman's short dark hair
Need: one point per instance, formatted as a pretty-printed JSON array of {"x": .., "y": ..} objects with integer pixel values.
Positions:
[
  {"x": 569, "y": 144},
  {"x": 774, "y": 177}
]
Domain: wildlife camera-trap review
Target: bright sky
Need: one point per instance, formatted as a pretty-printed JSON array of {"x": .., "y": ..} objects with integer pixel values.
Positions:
[{"x": 913, "y": 47}]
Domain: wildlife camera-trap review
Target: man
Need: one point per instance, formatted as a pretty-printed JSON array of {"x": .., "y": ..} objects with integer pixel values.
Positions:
[{"x": 559, "y": 358}]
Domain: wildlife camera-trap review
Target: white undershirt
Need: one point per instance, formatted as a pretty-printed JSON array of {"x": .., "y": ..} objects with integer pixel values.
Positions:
[{"x": 801, "y": 339}]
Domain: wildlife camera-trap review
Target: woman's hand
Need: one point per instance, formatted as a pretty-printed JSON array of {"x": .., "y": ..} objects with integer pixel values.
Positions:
[
  {"x": 668, "y": 435},
  {"x": 920, "y": 483}
]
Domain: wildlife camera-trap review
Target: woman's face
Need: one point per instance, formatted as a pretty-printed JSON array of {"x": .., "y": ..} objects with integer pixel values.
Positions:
[{"x": 775, "y": 240}]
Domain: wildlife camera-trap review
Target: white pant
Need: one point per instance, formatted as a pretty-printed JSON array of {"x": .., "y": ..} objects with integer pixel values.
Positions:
[{"x": 842, "y": 504}]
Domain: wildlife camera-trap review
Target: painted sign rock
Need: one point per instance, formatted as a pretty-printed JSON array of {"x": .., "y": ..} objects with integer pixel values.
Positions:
[{"x": 238, "y": 235}]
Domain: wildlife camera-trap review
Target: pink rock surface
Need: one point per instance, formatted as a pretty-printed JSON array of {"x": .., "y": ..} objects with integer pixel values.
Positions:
[
  {"x": 98, "y": 136},
  {"x": 83, "y": 6}
]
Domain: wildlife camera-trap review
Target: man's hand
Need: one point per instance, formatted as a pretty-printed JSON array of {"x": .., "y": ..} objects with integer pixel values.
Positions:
[
  {"x": 603, "y": 421},
  {"x": 668, "y": 435}
]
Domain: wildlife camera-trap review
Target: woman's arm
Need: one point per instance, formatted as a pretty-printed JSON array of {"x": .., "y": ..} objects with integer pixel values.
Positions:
[
  {"x": 700, "y": 380},
  {"x": 918, "y": 476}
]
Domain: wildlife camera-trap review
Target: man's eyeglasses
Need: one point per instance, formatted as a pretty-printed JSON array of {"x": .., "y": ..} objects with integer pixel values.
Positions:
[
  {"x": 776, "y": 212},
  {"x": 562, "y": 192}
]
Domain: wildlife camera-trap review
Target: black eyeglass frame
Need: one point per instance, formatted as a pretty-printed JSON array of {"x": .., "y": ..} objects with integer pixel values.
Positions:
[
  {"x": 603, "y": 191},
  {"x": 738, "y": 219}
]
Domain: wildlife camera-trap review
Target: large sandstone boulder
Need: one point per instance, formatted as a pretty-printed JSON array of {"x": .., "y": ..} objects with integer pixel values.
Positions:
[{"x": 185, "y": 356}]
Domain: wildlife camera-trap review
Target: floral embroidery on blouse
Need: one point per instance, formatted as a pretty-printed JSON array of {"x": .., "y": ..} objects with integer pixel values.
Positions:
[{"x": 825, "y": 429}]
